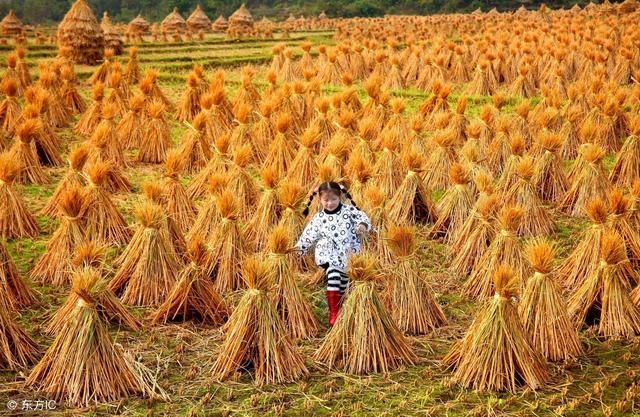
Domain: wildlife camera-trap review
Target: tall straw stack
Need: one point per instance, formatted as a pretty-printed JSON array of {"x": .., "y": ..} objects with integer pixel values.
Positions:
[
  {"x": 543, "y": 311},
  {"x": 149, "y": 266},
  {"x": 603, "y": 298},
  {"x": 255, "y": 335},
  {"x": 13, "y": 290},
  {"x": 241, "y": 23},
  {"x": 88, "y": 280},
  {"x": 496, "y": 353},
  {"x": 504, "y": 249},
  {"x": 18, "y": 349},
  {"x": 199, "y": 21},
  {"x": 15, "y": 219},
  {"x": 193, "y": 297},
  {"x": 174, "y": 23},
  {"x": 83, "y": 366},
  {"x": 79, "y": 36},
  {"x": 11, "y": 25},
  {"x": 294, "y": 310},
  {"x": 365, "y": 338},
  {"x": 413, "y": 304}
]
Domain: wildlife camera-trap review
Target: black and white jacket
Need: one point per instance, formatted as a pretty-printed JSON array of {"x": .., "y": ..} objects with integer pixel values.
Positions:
[{"x": 333, "y": 233}]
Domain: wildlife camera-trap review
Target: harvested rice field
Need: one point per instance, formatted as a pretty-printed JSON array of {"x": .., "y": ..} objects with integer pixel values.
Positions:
[{"x": 150, "y": 203}]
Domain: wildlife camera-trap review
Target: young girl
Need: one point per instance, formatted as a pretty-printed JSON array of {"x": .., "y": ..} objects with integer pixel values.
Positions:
[{"x": 334, "y": 232}]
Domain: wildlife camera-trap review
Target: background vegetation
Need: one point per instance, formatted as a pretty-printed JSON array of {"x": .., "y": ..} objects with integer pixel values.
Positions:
[{"x": 47, "y": 11}]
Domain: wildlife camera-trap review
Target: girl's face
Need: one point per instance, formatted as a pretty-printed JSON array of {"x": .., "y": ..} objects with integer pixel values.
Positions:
[{"x": 329, "y": 200}]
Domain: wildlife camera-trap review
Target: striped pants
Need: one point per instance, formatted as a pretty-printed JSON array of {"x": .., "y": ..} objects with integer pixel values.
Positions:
[{"x": 337, "y": 280}]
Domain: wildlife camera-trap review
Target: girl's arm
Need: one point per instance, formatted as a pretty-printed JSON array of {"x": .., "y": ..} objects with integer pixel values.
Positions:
[
  {"x": 310, "y": 235},
  {"x": 359, "y": 217}
]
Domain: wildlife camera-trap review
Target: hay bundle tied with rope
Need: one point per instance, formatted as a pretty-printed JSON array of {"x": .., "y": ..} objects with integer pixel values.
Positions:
[
  {"x": 365, "y": 339},
  {"x": 255, "y": 337}
]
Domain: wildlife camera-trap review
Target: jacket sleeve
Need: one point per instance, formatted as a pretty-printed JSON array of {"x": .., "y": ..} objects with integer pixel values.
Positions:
[
  {"x": 359, "y": 216},
  {"x": 310, "y": 235}
]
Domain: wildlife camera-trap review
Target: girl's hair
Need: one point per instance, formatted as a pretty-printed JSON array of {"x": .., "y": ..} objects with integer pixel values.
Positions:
[{"x": 329, "y": 186}]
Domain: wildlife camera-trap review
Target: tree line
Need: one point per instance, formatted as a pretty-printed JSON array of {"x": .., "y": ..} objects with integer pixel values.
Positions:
[{"x": 52, "y": 11}]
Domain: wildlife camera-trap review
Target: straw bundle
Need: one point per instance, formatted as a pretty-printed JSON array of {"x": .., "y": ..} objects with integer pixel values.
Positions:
[
  {"x": 620, "y": 222},
  {"x": 218, "y": 163},
  {"x": 18, "y": 351},
  {"x": 496, "y": 353},
  {"x": 388, "y": 171},
  {"x": 504, "y": 249},
  {"x": 54, "y": 265},
  {"x": 627, "y": 165},
  {"x": 56, "y": 112},
  {"x": 549, "y": 178},
  {"x": 241, "y": 181},
  {"x": 22, "y": 68},
  {"x": 9, "y": 107},
  {"x": 84, "y": 367},
  {"x": 294, "y": 310},
  {"x": 132, "y": 69},
  {"x": 199, "y": 21},
  {"x": 131, "y": 128},
  {"x": 71, "y": 97},
  {"x": 103, "y": 221},
  {"x": 590, "y": 181},
  {"x": 149, "y": 266},
  {"x": 304, "y": 167},
  {"x": 255, "y": 337},
  {"x": 79, "y": 35},
  {"x": 267, "y": 211},
  {"x": 411, "y": 202},
  {"x": 454, "y": 207},
  {"x": 585, "y": 257},
  {"x": 46, "y": 141},
  {"x": 153, "y": 91},
  {"x": 536, "y": 220},
  {"x": 364, "y": 338},
  {"x": 174, "y": 23},
  {"x": 91, "y": 117},
  {"x": 87, "y": 280},
  {"x": 208, "y": 215},
  {"x": 603, "y": 297},
  {"x": 414, "y": 307},
  {"x": 375, "y": 204},
  {"x": 74, "y": 177},
  {"x": 24, "y": 153},
  {"x": 193, "y": 297},
  {"x": 156, "y": 139},
  {"x": 509, "y": 177},
  {"x": 119, "y": 95},
  {"x": 475, "y": 236},
  {"x": 180, "y": 207},
  {"x": 227, "y": 245},
  {"x": 104, "y": 142},
  {"x": 569, "y": 133},
  {"x": 543, "y": 311},
  {"x": 281, "y": 150},
  {"x": 15, "y": 219},
  {"x": 440, "y": 160},
  {"x": 189, "y": 104},
  {"x": 13, "y": 290}
]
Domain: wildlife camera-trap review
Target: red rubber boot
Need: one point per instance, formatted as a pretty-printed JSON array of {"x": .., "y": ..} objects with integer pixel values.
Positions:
[{"x": 334, "y": 299}]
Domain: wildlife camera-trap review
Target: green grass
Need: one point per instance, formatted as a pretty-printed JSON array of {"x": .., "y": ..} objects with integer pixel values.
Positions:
[{"x": 603, "y": 381}]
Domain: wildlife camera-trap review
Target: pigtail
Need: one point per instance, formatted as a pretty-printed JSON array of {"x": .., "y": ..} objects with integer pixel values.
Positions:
[
  {"x": 346, "y": 193},
  {"x": 305, "y": 212}
]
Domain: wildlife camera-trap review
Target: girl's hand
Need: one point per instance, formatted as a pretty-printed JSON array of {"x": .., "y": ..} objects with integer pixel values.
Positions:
[{"x": 361, "y": 228}]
